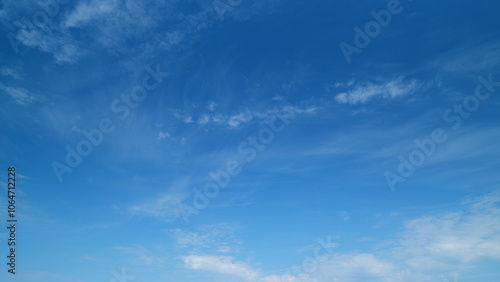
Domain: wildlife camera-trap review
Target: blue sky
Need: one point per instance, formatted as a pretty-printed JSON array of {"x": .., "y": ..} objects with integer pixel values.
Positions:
[{"x": 232, "y": 140}]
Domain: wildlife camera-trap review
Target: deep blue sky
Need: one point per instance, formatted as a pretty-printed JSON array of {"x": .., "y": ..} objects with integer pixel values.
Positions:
[{"x": 312, "y": 149}]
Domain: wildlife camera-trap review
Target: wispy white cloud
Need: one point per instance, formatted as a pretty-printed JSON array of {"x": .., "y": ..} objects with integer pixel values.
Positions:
[
  {"x": 245, "y": 116},
  {"x": 357, "y": 267},
  {"x": 471, "y": 57},
  {"x": 88, "y": 11},
  {"x": 211, "y": 106},
  {"x": 61, "y": 46},
  {"x": 461, "y": 237},
  {"x": 218, "y": 238},
  {"x": 235, "y": 120},
  {"x": 112, "y": 23},
  {"x": 115, "y": 24},
  {"x": 183, "y": 118},
  {"x": 10, "y": 71},
  {"x": 162, "y": 135},
  {"x": 429, "y": 248},
  {"x": 20, "y": 95},
  {"x": 471, "y": 142},
  {"x": 364, "y": 92},
  {"x": 344, "y": 215},
  {"x": 46, "y": 36},
  {"x": 347, "y": 84},
  {"x": 166, "y": 207},
  {"x": 142, "y": 256},
  {"x": 283, "y": 278},
  {"x": 204, "y": 119},
  {"x": 221, "y": 264}
]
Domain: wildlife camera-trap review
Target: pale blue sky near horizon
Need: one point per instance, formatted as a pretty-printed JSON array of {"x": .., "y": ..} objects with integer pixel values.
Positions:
[{"x": 313, "y": 150}]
